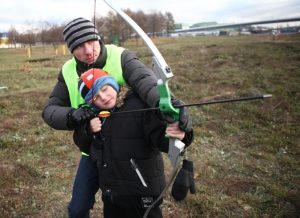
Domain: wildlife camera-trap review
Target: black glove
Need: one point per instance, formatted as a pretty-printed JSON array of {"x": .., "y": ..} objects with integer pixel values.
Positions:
[
  {"x": 184, "y": 181},
  {"x": 185, "y": 122},
  {"x": 79, "y": 116}
]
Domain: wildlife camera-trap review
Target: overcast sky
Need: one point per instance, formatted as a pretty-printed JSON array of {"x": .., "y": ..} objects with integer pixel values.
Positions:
[{"x": 19, "y": 13}]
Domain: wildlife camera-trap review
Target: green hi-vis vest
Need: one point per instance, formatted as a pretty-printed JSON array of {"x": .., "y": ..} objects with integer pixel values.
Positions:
[{"x": 113, "y": 67}]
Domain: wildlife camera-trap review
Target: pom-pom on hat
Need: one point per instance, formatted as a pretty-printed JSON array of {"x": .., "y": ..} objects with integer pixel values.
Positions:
[
  {"x": 92, "y": 81},
  {"x": 79, "y": 31}
]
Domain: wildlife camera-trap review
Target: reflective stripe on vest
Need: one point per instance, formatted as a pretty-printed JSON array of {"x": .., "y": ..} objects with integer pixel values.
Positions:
[{"x": 113, "y": 67}]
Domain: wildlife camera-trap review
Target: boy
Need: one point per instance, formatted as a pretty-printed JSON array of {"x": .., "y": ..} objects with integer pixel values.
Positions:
[{"x": 126, "y": 147}]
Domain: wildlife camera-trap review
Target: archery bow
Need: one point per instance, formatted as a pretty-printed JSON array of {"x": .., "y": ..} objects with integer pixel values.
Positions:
[{"x": 164, "y": 73}]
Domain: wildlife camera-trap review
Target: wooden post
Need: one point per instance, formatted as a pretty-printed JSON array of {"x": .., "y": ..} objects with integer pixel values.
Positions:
[
  {"x": 64, "y": 49},
  {"x": 29, "y": 52}
]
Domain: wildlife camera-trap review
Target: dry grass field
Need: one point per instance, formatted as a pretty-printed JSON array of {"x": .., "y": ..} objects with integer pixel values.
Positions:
[{"x": 246, "y": 155}]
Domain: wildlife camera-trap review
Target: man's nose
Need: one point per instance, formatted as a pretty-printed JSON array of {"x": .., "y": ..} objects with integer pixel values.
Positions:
[{"x": 87, "y": 48}]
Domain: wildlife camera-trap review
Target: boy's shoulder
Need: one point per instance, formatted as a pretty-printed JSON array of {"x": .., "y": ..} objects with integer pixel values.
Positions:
[{"x": 133, "y": 98}]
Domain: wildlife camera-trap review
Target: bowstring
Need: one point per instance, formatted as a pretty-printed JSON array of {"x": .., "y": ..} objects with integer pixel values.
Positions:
[
  {"x": 116, "y": 170},
  {"x": 95, "y": 1}
]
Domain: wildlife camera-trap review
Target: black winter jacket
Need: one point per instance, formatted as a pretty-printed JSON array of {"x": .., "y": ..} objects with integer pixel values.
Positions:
[
  {"x": 124, "y": 137},
  {"x": 131, "y": 136},
  {"x": 135, "y": 73}
]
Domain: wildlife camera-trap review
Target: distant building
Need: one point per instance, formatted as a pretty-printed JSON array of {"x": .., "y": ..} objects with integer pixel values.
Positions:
[
  {"x": 289, "y": 30},
  {"x": 204, "y": 24},
  {"x": 181, "y": 26},
  {"x": 4, "y": 42},
  {"x": 3, "y": 38}
]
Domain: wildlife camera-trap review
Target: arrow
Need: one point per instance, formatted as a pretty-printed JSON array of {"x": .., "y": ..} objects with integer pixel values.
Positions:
[{"x": 104, "y": 114}]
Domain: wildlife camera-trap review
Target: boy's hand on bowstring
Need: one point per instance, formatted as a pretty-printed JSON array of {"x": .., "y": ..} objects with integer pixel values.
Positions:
[
  {"x": 79, "y": 116},
  {"x": 95, "y": 125}
]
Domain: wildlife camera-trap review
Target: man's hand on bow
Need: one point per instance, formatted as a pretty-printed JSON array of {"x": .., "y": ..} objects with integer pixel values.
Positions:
[{"x": 185, "y": 122}]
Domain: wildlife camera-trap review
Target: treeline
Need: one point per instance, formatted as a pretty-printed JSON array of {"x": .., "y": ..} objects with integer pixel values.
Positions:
[{"x": 111, "y": 27}]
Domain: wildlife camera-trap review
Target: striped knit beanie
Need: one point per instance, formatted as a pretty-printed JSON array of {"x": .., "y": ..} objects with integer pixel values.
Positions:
[{"x": 79, "y": 31}]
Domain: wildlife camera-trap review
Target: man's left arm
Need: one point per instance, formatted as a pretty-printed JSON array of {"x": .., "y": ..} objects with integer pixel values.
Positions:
[
  {"x": 144, "y": 82},
  {"x": 140, "y": 78}
]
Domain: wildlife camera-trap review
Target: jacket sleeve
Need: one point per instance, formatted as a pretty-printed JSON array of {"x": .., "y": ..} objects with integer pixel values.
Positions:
[
  {"x": 56, "y": 109},
  {"x": 155, "y": 131},
  {"x": 140, "y": 78},
  {"x": 82, "y": 138},
  {"x": 188, "y": 138}
]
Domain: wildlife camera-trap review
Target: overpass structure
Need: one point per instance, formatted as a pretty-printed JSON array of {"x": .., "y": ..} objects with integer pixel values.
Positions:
[{"x": 221, "y": 26}]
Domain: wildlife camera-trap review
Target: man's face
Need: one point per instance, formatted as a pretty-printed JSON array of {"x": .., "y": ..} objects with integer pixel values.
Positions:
[{"x": 88, "y": 52}]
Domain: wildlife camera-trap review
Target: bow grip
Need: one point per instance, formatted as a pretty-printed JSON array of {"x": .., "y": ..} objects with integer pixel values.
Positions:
[{"x": 165, "y": 104}]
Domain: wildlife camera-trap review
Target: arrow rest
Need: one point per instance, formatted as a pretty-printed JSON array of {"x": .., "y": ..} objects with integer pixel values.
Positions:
[{"x": 104, "y": 114}]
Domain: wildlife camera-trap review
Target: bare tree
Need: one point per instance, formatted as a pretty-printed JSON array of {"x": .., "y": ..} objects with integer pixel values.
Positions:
[
  {"x": 141, "y": 19},
  {"x": 27, "y": 38},
  {"x": 155, "y": 23},
  {"x": 13, "y": 36},
  {"x": 112, "y": 28},
  {"x": 30, "y": 35},
  {"x": 50, "y": 34},
  {"x": 56, "y": 35},
  {"x": 99, "y": 22},
  {"x": 127, "y": 29},
  {"x": 44, "y": 32},
  {"x": 170, "y": 23}
]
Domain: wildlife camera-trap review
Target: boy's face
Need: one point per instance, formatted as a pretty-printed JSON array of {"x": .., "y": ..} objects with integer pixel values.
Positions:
[
  {"x": 105, "y": 98},
  {"x": 88, "y": 52}
]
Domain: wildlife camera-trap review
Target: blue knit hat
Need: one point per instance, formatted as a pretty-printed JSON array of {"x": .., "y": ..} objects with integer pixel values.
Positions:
[{"x": 92, "y": 81}]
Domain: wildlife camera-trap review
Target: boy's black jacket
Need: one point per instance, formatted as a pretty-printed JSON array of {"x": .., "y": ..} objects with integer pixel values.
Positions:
[{"x": 138, "y": 136}]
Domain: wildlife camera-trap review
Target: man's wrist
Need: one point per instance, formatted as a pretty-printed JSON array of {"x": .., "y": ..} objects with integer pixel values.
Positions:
[{"x": 70, "y": 122}]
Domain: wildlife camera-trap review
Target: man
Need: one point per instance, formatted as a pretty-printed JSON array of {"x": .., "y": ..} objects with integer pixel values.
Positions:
[{"x": 64, "y": 111}]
